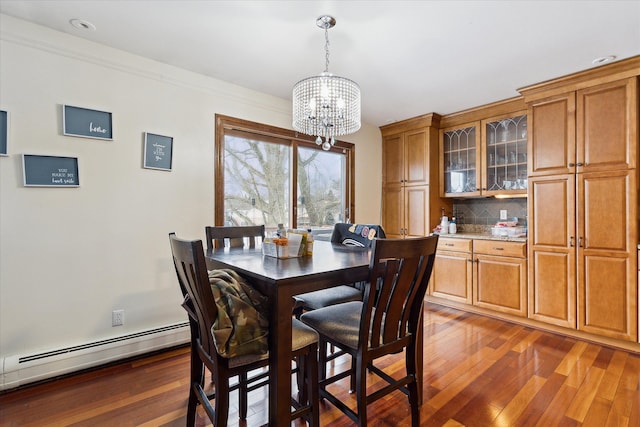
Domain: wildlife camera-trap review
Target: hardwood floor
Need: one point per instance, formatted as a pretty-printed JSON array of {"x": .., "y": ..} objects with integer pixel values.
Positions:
[{"x": 478, "y": 371}]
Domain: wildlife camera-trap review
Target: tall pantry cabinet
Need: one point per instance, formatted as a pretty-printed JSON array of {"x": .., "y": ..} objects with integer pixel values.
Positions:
[
  {"x": 410, "y": 203},
  {"x": 583, "y": 201}
]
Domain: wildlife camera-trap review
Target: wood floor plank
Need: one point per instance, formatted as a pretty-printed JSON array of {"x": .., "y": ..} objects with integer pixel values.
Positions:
[
  {"x": 582, "y": 366},
  {"x": 585, "y": 395},
  {"x": 611, "y": 379},
  {"x": 541, "y": 401},
  {"x": 518, "y": 404},
  {"x": 478, "y": 372},
  {"x": 554, "y": 414},
  {"x": 597, "y": 413},
  {"x": 569, "y": 361}
]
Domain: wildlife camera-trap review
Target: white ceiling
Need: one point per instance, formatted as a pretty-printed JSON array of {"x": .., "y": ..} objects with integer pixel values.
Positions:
[{"x": 409, "y": 57}]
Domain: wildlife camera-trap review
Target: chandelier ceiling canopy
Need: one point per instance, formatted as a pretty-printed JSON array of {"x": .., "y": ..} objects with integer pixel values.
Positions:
[{"x": 326, "y": 105}]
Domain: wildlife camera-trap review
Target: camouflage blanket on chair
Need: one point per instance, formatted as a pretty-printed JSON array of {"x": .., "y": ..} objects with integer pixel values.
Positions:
[{"x": 241, "y": 327}]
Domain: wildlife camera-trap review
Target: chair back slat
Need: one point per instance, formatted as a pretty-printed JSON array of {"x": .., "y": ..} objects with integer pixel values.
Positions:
[
  {"x": 234, "y": 236},
  {"x": 400, "y": 270},
  {"x": 189, "y": 262}
]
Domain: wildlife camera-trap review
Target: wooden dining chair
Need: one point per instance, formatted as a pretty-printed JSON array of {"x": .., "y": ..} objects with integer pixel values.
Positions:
[
  {"x": 385, "y": 322},
  {"x": 234, "y": 236},
  {"x": 359, "y": 235},
  {"x": 193, "y": 278}
]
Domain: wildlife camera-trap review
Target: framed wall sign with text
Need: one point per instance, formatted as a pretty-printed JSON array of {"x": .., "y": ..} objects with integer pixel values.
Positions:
[
  {"x": 50, "y": 171},
  {"x": 86, "y": 123},
  {"x": 158, "y": 151},
  {"x": 4, "y": 133}
]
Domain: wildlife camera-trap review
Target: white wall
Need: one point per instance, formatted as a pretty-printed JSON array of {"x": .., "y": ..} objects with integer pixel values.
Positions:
[{"x": 69, "y": 256}]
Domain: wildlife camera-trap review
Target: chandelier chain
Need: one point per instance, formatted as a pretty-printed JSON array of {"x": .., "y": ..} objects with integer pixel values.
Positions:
[{"x": 326, "y": 49}]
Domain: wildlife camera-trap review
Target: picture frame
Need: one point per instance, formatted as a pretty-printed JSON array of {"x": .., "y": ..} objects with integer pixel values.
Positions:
[
  {"x": 50, "y": 171},
  {"x": 4, "y": 133},
  {"x": 86, "y": 123},
  {"x": 157, "y": 152}
]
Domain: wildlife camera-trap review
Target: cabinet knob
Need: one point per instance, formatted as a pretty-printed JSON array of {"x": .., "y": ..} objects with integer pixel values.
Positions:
[
  {"x": 571, "y": 165},
  {"x": 499, "y": 249},
  {"x": 579, "y": 164},
  {"x": 571, "y": 241},
  {"x": 580, "y": 241}
]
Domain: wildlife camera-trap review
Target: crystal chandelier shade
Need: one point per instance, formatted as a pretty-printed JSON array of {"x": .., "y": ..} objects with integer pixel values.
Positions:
[{"x": 326, "y": 105}]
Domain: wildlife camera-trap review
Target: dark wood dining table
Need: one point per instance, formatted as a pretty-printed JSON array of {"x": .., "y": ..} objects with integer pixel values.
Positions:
[{"x": 280, "y": 279}]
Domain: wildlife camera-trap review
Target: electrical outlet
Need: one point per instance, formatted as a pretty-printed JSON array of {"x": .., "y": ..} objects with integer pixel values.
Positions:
[
  {"x": 117, "y": 318},
  {"x": 503, "y": 214}
]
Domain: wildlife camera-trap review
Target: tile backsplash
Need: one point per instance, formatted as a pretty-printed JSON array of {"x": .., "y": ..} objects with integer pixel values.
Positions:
[{"x": 475, "y": 215}]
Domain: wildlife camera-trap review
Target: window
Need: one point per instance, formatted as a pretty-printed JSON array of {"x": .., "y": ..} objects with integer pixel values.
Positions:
[{"x": 258, "y": 182}]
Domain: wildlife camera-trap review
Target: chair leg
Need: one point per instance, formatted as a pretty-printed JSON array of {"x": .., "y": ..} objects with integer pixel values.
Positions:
[
  {"x": 322, "y": 359},
  {"x": 222, "y": 403},
  {"x": 192, "y": 405},
  {"x": 301, "y": 378},
  {"x": 412, "y": 387},
  {"x": 312, "y": 387},
  {"x": 361, "y": 389},
  {"x": 414, "y": 404},
  {"x": 242, "y": 395},
  {"x": 197, "y": 377}
]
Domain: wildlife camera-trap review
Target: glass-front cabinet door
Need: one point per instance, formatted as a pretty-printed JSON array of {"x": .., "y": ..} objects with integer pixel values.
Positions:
[
  {"x": 460, "y": 154},
  {"x": 504, "y": 154}
]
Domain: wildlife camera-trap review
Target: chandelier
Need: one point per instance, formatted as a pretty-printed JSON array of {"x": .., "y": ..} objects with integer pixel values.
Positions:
[{"x": 326, "y": 106}]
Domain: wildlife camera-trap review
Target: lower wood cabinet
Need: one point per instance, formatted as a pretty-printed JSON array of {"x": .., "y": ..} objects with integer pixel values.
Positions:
[
  {"x": 490, "y": 274},
  {"x": 500, "y": 276},
  {"x": 452, "y": 274}
]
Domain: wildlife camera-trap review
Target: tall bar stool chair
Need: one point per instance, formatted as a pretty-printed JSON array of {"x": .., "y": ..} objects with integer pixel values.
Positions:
[
  {"x": 189, "y": 262},
  {"x": 385, "y": 322}
]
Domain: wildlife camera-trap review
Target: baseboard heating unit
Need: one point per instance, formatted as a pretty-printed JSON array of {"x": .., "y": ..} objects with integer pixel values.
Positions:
[{"x": 17, "y": 370}]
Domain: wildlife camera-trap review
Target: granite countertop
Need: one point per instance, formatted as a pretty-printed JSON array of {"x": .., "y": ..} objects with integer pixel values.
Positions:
[{"x": 484, "y": 236}]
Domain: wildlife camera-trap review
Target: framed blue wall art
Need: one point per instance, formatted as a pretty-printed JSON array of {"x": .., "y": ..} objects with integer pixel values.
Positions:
[
  {"x": 158, "y": 152},
  {"x": 50, "y": 171},
  {"x": 4, "y": 133},
  {"x": 86, "y": 123}
]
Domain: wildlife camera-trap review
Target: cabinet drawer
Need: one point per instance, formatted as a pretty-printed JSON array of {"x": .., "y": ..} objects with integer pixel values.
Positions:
[
  {"x": 500, "y": 248},
  {"x": 457, "y": 245}
]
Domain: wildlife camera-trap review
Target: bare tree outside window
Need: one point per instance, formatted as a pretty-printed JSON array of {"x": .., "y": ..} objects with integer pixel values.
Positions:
[
  {"x": 256, "y": 184},
  {"x": 261, "y": 185},
  {"x": 320, "y": 188}
]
